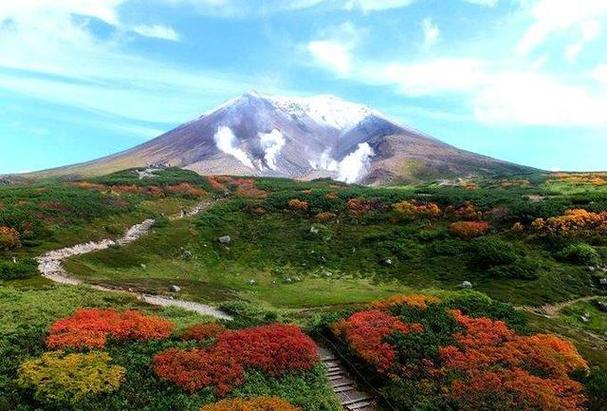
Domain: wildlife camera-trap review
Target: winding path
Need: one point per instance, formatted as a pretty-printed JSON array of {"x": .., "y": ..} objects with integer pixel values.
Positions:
[
  {"x": 50, "y": 266},
  {"x": 553, "y": 310}
]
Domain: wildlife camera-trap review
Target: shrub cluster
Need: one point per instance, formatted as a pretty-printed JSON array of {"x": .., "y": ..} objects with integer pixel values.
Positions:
[
  {"x": 57, "y": 377},
  {"x": 204, "y": 331},
  {"x": 91, "y": 327},
  {"x": 274, "y": 349},
  {"x": 411, "y": 209},
  {"x": 9, "y": 239},
  {"x": 439, "y": 355},
  {"x": 469, "y": 229},
  {"x": 575, "y": 222},
  {"x": 21, "y": 269},
  {"x": 252, "y": 404}
]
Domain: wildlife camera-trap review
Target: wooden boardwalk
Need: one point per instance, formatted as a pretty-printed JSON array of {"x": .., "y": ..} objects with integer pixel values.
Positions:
[{"x": 344, "y": 385}]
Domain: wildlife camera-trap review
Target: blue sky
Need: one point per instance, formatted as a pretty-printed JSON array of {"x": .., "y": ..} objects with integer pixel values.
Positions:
[{"x": 521, "y": 80}]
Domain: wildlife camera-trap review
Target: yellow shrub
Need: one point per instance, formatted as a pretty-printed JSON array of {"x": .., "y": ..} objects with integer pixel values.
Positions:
[{"x": 58, "y": 377}]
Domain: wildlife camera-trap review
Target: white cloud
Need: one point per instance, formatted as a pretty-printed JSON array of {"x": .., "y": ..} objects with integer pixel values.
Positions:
[
  {"x": 536, "y": 99},
  {"x": 271, "y": 143},
  {"x": 375, "y": 5},
  {"x": 331, "y": 54},
  {"x": 427, "y": 77},
  {"x": 333, "y": 49},
  {"x": 431, "y": 32},
  {"x": 553, "y": 16},
  {"x": 354, "y": 166},
  {"x": 484, "y": 3},
  {"x": 157, "y": 31},
  {"x": 227, "y": 142}
]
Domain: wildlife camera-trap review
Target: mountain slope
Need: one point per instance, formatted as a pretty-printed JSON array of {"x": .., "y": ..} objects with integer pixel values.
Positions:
[{"x": 303, "y": 138}]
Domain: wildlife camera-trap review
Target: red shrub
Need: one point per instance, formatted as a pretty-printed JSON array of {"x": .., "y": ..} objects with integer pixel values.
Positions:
[
  {"x": 495, "y": 364},
  {"x": 201, "y": 332},
  {"x": 121, "y": 189},
  {"x": 366, "y": 331},
  {"x": 196, "y": 369},
  {"x": 275, "y": 349},
  {"x": 245, "y": 187},
  {"x": 470, "y": 229},
  {"x": 90, "y": 327}
]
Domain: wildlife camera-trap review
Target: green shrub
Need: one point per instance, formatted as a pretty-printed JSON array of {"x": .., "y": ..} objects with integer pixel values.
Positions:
[
  {"x": 21, "y": 269},
  {"x": 521, "y": 269},
  {"x": 491, "y": 251},
  {"x": 580, "y": 253}
]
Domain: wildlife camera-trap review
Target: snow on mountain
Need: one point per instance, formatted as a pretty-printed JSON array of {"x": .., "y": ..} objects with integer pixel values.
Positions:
[{"x": 328, "y": 110}]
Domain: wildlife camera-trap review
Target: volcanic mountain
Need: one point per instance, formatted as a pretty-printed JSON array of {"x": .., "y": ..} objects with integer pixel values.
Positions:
[{"x": 302, "y": 138}]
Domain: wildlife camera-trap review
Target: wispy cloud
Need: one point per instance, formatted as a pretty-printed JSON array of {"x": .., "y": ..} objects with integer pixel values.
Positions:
[
  {"x": 484, "y": 3},
  {"x": 431, "y": 32},
  {"x": 156, "y": 31}
]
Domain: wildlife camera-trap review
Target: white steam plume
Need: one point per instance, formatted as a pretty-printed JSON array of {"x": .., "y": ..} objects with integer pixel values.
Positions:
[
  {"x": 272, "y": 143},
  {"x": 355, "y": 164},
  {"x": 227, "y": 142}
]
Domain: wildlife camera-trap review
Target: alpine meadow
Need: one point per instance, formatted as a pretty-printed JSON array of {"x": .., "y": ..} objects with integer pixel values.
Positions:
[{"x": 384, "y": 205}]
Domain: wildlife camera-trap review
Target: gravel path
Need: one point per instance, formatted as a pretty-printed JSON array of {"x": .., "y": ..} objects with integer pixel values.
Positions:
[{"x": 51, "y": 266}]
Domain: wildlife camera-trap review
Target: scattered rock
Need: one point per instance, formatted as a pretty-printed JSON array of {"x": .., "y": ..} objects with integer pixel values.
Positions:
[
  {"x": 585, "y": 318},
  {"x": 603, "y": 281},
  {"x": 591, "y": 269},
  {"x": 314, "y": 230},
  {"x": 388, "y": 262},
  {"x": 602, "y": 305},
  {"x": 252, "y": 282},
  {"x": 14, "y": 260},
  {"x": 226, "y": 239},
  {"x": 288, "y": 280},
  {"x": 186, "y": 255},
  {"x": 143, "y": 266},
  {"x": 466, "y": 285},
  {"x": 175, "y": 288}
]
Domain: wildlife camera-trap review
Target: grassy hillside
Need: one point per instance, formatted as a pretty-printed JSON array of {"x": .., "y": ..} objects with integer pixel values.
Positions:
[{"x": 304, "y": 252}]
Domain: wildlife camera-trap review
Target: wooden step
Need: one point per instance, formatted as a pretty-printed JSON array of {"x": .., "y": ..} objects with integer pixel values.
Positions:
[{"x": 357, "y": 401}]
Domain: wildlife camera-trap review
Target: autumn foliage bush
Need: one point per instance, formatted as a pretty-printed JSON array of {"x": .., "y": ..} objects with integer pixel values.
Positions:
[
  {"x": 274, "y": 349},
  {"x": 296, "y": 204},
  {"x": 575, "y": 222},
  {"x": 325, "y": 217},
  {"x": 57, "y": 377},
  {"x": 9, "y": 238},
  {"x": 426, "y": 352},
  {"x": 91, "y": 327},
  {"x": 201, "y": 332},
  {"x": 195, "y": 369},
  {"x": 469, "y": 229},
  {"x": 359, "y": 206},
  {"x": 412, "y": 209},
  {"x": 251, "y": 404}
]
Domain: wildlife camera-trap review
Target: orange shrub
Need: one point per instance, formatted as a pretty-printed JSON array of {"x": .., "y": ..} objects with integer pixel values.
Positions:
[
  {"x": 251, "y": 404},
  {"x": 470, "y": 229},
  {"x": 90, "y": 327},
  {"x": 217, "y": 183},
  {"x": 124, "y": 189},
  {"x": 467, "y": 211},
  {"x": 89, "y": 185},
  {"x": 573, "y": 222},
  {"x": 296, "y": 204},
  {"x": 185, "y": 189},
  {"x": 325, "y": 216},
  {"x": 414, "y": 300},
  {"x": 412, "y": 209},
  {"x": 245, "y": 188},
  {"x": 9, "y": 238},
  {"x": 359, "y": 206},
  {"x": 201, "y": 332}
]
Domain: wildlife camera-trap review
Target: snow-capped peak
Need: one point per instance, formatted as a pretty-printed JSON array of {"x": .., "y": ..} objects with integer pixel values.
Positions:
[{"x": 328, "y": 110}]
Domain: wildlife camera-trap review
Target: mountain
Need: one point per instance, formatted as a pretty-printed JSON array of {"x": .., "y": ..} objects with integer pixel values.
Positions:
[{"x": 302, "y": 138}]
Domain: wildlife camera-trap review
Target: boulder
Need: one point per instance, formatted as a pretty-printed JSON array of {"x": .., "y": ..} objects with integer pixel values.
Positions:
[
  {"x": 226, "y": 239},
  {"x": 252, "y": 282},
  {"x": 466, "y": 285},
  {"x": 314, "y": 230},
  {"x": 175, "y": 288},
  {"x": 602, "y": 305},
  {"x": 603, "y": 281}
]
